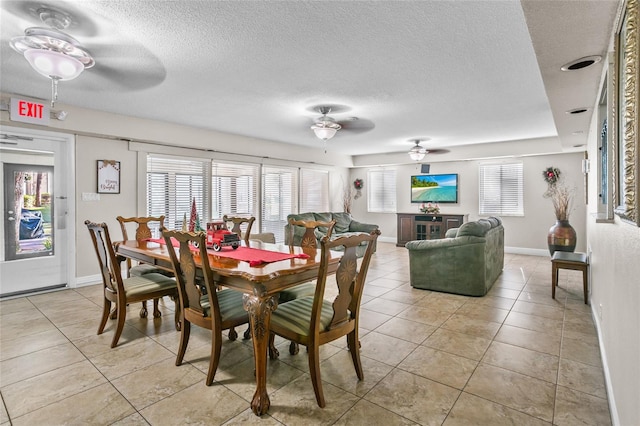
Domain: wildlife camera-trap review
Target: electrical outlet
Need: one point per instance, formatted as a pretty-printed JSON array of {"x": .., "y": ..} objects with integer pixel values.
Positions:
[{"x": 90, "y": 196}]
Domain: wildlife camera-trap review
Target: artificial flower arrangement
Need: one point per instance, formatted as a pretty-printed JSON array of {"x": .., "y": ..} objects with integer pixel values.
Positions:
[
  {"x": 551, "y": 175},
  {"x": 358, "y": 184},
  {"x": 429, "y": 208}
]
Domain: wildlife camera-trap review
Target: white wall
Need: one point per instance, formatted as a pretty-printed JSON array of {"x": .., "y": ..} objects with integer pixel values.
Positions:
[
  {"x": 88, "y": 151},
  {"x": 615, "y": 298},
  {"x": 527, "y": 234}
]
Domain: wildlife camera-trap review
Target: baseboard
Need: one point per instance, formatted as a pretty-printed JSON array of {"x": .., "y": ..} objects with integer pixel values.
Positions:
[
  {"x": 387, "y": 239},
  {"x": 615, "y": 419},
  {"x": 527, "y": 251},
  {"x": 88, "y": 280}
]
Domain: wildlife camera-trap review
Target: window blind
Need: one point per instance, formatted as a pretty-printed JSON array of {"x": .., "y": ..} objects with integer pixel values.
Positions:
[
  {"x": 381, "y": 192},
  {"x": 172, "y": 184},
  {"x": 502, "y": 189},
  {"x": 279, "y": 190},
  {"x": 234, "y": 189},
  {"x": 314, "y": 190}
]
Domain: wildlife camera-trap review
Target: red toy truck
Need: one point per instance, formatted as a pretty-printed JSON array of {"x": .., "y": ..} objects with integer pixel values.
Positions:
[{"x": 219, "y": 236}]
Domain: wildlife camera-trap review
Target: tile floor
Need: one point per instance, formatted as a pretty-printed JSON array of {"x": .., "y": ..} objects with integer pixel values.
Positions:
[{"x": 515, "y": 357}]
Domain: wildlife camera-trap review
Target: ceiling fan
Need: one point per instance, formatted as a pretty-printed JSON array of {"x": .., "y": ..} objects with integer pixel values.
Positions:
[
  {"x": 52, "y": 52},
  {"x": 418, "y": 152},
  {"x": 326, "y": 127},
  {"x": 118, "y": 60}
]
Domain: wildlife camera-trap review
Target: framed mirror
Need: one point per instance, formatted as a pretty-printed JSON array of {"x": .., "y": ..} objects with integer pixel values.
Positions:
[{"x": 625, "y": 161}]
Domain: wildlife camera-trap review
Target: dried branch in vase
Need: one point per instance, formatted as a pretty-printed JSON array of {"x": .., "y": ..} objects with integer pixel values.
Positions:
[{"x": 561, "y": 196}]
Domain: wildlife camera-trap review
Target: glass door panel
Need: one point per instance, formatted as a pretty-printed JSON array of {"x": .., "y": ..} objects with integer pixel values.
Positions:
[{"x": 29, "y": 211}]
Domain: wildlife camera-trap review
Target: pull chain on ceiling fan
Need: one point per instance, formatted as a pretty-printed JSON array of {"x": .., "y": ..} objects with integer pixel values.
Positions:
[{"x": 51, "y": 52}]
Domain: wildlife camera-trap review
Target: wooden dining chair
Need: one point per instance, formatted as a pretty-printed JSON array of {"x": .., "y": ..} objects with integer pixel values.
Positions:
[
  {"x": 123, "y": 291},
  {"x": 216, "y": 310},
  {"x": 238, "y": 224},
  {"x": 142, "y": 232},
  {"x": 309, "y": 244},
  {"x": 313, "y": 321}
]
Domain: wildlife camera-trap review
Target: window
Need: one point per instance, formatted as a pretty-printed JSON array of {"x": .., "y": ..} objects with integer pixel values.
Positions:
[
  {"x": 501, "y": 189},
  {"x": 279, "y": 191},
  {"x": 172, "y": 185},
  {"x": 314, "y": 190},
  {"x": 234, "y": 189},
  {"x": 381, "y": 194}
]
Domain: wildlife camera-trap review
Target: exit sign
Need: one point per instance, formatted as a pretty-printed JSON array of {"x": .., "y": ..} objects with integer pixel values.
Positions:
[{"x": 29, "y": 111}]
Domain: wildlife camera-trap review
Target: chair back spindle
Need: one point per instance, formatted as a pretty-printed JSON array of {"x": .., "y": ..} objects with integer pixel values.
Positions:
[
  {"x": 143, "y": 231},
  {"x": 238, "y": 223},
  {"x": 192, "y": 247},
  {"x": 309, "y": 239}
]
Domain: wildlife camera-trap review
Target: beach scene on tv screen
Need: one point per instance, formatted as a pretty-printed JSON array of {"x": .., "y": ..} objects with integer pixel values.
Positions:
[{"x": 434, "y": 188}]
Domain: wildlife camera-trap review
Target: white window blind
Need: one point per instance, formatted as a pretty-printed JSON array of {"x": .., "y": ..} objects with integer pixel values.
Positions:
[
  {"x": 381, "y": 192},
  {"x": 234, "y": 189},
  {"x": 314, "y": 190},
  {"x": 172, "y": 184},
  {"x": 501, "y": 189},
  {"x": 279, "y": 189}
]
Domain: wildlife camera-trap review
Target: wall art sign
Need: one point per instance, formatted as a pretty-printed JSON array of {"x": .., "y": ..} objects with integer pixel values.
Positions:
[{"x": 108, "y": 177}]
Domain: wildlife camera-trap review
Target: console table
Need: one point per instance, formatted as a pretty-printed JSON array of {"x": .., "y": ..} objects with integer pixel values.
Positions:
[{"x": 424, "y": 226}]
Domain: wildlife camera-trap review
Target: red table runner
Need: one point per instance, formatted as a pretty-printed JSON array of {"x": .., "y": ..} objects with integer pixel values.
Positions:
[{"x": 254, "y": 256}]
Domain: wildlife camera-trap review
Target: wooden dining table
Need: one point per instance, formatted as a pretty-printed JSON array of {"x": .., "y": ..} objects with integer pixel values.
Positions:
[{"x": 260, "y": 285}]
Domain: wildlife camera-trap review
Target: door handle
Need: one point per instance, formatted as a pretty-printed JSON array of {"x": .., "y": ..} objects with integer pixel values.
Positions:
[{"x": 11, "y": 218}]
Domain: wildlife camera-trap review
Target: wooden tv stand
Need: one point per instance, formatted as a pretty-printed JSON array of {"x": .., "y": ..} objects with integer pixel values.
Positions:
[{"x": 424, "y": 226}]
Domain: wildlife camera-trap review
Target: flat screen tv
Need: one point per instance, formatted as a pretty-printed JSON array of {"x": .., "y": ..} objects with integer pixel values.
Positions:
[{"x": 434, "y": 188}]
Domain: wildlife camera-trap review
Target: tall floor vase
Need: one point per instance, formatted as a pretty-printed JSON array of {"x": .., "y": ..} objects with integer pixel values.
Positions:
[{"x": 562, "y": 237}]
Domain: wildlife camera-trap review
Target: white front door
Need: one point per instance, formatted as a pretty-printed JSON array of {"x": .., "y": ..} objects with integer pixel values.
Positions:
[{"x": 37, "y": 228}]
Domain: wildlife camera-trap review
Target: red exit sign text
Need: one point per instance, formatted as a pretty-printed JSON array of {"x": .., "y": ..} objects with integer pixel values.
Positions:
[{"x": 28, "y": 111}]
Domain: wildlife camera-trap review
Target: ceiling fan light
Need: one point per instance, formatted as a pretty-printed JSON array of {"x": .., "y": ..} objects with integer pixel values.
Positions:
[
  {"x": 417, "y": 153},
  {"x": 325, "y": 128},
  {"x": 54, "y": 65},
  {"x": 324, "y": 133}
]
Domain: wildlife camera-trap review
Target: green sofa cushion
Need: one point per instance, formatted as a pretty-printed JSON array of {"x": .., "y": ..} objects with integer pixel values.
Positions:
[
  {"x": 343, "y": 220},
  {"x": 474, "y": 229},
  {"x": 322, "y": 217}
]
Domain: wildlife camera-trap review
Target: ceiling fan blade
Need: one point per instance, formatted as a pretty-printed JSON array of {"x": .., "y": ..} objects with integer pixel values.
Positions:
[
  {"x": 437, "y": 151},
  {"x": 123, "y": 66},
  {"x": 358, "y": 125}
]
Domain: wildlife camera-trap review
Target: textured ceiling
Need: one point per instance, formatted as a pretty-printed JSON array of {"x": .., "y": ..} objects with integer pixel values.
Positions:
[{"x": 454, "y": 72}]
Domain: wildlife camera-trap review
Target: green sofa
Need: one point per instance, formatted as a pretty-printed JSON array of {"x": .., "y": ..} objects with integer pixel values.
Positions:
[
  {"x": 345, "y": 225},
  {"x": 467, "y": 261}
]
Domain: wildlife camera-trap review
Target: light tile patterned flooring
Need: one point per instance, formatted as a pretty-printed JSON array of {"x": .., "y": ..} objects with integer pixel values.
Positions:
[{"x": 515, "y": 356}]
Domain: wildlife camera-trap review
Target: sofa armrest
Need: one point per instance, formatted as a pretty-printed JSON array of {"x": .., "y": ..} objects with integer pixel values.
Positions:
[
  {"x": 356, "y": 226},
  {"x": 451, "y": 233}
]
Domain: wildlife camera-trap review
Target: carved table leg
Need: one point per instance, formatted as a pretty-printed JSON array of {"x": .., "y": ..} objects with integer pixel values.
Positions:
[{"x": 259, "y": 309}]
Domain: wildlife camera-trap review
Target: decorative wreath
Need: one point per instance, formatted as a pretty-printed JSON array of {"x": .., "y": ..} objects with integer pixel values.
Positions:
[
  {"x": 551, "y": 175},
  {"x": 358, "y": 183}
]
